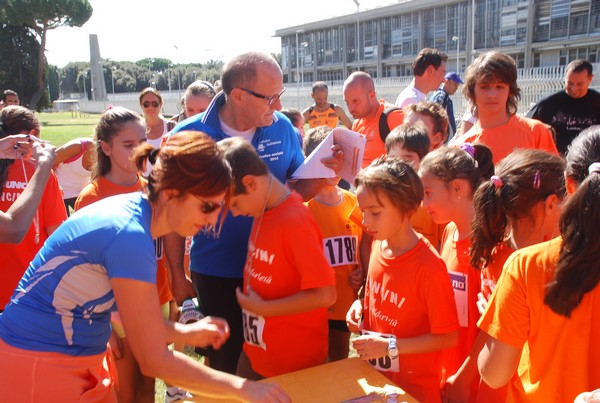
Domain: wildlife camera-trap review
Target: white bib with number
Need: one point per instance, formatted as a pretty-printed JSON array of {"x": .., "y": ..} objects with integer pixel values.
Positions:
[
  {"x": 254, "y": 325},
  {"x": 460, "y": 284},
  {"x": 384, "y": 363},
  {"x": 340, "y": 250}
]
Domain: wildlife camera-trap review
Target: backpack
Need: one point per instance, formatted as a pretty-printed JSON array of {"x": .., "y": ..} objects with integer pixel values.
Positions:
[{"x": 384, "y": 127}]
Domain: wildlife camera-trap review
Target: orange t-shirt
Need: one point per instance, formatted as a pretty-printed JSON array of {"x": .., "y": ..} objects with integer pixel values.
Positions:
[
  {"x": 518, "y": 132},
  {"x": 285, "y": 256},
  {"x": 561, "y": 356},
  {"x": 466, "y": 281},
  {"x": 423, "y": 224},
  {"x": 101, "y": 188},
  {"x": 409, "y": 296},
  {"x": 375, "y": 147},
  {"x": 328, "y": 117},
  {"x": 491, "y": 273},
  {"x": 341, "y": 241},
  {"x": 50, "y": 213},
  {"x": 489, "y": 278}
]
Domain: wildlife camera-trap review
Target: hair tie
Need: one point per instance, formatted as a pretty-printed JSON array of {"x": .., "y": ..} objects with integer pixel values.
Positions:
[
  {"x": 468, "y": 148},
  {"x": 595, "y": 167},
  {"x": 497, "y": 181},
  {"x": 537, "y": 181},
  {"x": 153, "y": 155}
]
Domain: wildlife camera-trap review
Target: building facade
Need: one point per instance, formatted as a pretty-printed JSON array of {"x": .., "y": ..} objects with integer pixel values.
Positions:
[{"x": 384, "y": 41}]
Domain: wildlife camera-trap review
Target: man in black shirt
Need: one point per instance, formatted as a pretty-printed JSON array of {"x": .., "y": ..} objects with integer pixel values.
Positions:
[{"x": 572, "y": 110}]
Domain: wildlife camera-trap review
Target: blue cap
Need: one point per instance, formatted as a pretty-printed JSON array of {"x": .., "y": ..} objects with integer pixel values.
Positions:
[{"x": 454, "y": 77}]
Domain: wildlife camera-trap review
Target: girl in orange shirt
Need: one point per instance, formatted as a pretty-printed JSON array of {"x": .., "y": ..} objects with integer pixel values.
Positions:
[
  {"x": 450, "y": 177},
  {"x": 517, "y": 207},
  {"x": 543, "y": 315},
  {"x": 408, "y": 313},
  {"x": 118, "y": 133},
  {"x": 15, "y": 174}
]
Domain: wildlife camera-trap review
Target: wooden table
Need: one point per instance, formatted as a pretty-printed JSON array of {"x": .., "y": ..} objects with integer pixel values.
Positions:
[{"x": 332, "y": 382}]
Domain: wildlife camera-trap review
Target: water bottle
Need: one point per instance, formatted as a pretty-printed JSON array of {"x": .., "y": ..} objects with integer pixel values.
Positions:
[{"x": 190, "y": 313}]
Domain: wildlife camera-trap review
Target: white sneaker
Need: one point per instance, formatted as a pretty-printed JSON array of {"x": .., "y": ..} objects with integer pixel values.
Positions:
[{"x": 174, "y": 394}]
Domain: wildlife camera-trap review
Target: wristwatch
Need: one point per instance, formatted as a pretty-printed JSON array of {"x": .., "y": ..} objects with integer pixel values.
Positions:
[{"x": 392, "y": 350}]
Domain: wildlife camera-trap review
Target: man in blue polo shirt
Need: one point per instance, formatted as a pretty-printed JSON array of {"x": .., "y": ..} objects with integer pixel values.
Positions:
[{"x": 247, "y": 107}]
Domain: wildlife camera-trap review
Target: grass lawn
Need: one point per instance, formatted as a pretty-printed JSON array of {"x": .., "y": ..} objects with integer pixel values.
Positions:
[{"x": 60, "y": 127}]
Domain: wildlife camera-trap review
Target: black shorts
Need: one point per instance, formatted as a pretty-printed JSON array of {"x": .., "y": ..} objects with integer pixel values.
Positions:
[
  {"x": 339, "y": 325},
  {"x": 216, "y": 297}
]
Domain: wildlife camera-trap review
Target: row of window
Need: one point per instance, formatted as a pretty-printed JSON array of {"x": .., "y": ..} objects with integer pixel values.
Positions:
[{"x": 498, "y": 23}]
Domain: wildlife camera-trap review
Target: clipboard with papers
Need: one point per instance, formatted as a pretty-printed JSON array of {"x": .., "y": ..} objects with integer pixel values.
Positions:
[{"x": 353, "y": 147}]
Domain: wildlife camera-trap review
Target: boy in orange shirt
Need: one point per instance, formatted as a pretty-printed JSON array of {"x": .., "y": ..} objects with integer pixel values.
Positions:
[
  {"x": 339, "y": 222},
  {"x": 288, "y": 284},
  {"x": 410, "y": 143},
  {"x": 408, "y": 315},
  {"x": 491, "y": 87}
]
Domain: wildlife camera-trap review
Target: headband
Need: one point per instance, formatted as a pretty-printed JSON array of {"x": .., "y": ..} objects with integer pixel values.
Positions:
[
  {"x": 595, "y": 167},
  {"x": 537, "y": 181}
]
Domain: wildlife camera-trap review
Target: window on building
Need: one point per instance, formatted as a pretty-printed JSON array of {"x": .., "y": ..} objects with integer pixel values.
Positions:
[
  {"x": 579, "y": 23},
  {"x": 595, "y": 16}
]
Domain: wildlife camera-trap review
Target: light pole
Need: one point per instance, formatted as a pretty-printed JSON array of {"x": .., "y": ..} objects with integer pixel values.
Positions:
[
  {"x": 169, "y": 77},
  {"x": 150, "y": 65},
  {"x": 92, "y": 84},
  {"x": 456, "y": 39},
  {"x": 300, "y": 31},
  {"x": 84, "y": 89},
  {"x": 357, "y": 30},
  {"x": 303, "y": 46},
  {"x": 112, "y": 76},
  {"x": 58, "y": 82}
]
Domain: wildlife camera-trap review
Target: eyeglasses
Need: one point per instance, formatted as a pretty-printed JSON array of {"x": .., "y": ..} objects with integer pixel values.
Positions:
[
  {"x": 147, "y": 104},
  {"x": 208, "y": 207},
  {"x": 270, "y": 100}
]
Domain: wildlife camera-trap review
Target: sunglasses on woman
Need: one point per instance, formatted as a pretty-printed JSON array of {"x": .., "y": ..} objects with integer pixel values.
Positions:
[
  {"x": 147, "y": 104},
  {"x": 208, "y": 207}
]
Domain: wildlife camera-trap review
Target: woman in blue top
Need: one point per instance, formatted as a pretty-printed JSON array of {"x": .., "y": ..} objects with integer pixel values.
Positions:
[{"x": 56, "y": 328}]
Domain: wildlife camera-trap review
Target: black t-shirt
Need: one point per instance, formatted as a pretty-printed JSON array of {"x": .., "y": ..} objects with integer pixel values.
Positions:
[{"x": 568, "y": 116}]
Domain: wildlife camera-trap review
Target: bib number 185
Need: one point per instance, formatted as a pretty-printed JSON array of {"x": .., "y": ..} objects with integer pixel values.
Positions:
[{"x": 254, "y": 325}]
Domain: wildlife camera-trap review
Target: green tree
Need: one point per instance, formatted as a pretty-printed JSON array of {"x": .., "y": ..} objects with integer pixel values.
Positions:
[
  {"x": 18, "y": 60},
  {"x": 41, "y": 16}
]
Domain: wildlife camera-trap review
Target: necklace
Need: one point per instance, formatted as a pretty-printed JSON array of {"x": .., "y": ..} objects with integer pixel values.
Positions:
[
  {"x": 36, "y": 218},
  {"x": 260, "y": 219},
  {"x": 279, "y": 201}
]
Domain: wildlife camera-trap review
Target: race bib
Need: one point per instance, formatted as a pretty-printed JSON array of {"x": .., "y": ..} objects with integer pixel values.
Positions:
[
  {"x": 341, "y": 250},
  {"x": 159, "y": 247},
  {"x": 384, "y": 363},
  {"x": 254, "y": 325},
  {"x": 460, "y": 284}
]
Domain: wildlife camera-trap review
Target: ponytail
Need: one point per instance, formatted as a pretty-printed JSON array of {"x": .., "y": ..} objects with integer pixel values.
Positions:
[
  {"x": 523, "y": 179},
  {"x": 578, "y": 267},
  {"x": 489, "y": 223}
]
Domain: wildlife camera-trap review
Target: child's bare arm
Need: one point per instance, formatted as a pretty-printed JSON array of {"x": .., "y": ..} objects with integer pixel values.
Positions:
[{"x": 372, "y": 346}]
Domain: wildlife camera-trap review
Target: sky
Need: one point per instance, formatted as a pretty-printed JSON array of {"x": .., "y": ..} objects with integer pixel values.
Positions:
[{"x": 189, "y": 31}]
